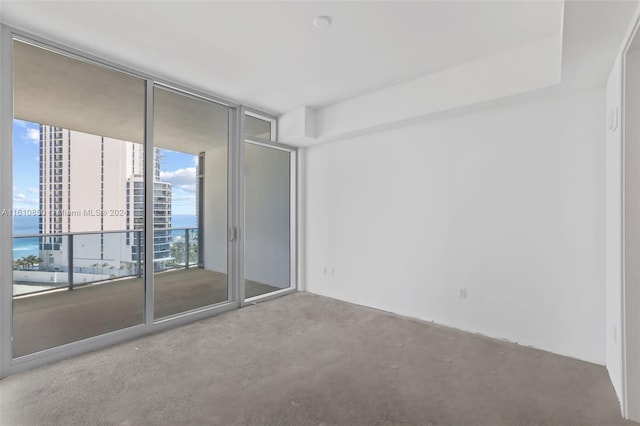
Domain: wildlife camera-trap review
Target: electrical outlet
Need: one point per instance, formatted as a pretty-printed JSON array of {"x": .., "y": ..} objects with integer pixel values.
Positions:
[{"x": 462, "y": 293}]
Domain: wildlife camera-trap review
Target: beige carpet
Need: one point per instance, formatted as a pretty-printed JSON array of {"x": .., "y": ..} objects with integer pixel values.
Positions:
[{"x": 308, "y": 360}]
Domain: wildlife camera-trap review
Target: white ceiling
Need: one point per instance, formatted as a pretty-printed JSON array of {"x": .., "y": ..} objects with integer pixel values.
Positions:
[{"x": 269, "y": 55}]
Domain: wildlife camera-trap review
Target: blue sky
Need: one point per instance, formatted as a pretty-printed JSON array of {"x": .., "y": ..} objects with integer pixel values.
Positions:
[
  {"x": 175, "y": 167},
  {"x": 180, "y": 169},
  {"x": 25, "y": 165}
]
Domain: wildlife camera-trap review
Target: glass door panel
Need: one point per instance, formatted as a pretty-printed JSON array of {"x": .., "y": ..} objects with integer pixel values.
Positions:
[
  {"x": 267, "y": 236},
  {"x": 189, "y": 202},
  {"x": 78, "y": 157}
]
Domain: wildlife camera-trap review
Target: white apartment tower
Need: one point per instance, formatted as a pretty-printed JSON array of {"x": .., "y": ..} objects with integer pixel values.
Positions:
[{"x": 93, "y": 187}]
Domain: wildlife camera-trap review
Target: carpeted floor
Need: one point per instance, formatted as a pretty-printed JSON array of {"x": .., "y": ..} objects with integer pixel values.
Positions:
[{"x": 309, "y": 360}]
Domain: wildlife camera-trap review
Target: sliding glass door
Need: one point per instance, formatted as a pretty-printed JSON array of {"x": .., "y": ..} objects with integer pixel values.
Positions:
[
  {"x": 136, "y": 205},
  {"x": 191, "y": 139},
  {"x": 78, "y": 174}
]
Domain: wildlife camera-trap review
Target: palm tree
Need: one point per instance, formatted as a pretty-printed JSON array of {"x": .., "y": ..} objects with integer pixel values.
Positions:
[
  {"x": 32, "y": 261},
  {"x": 27, "y": 262},
  {"x": 93, "y": 269},
  {"x": 18, "y": 264}
]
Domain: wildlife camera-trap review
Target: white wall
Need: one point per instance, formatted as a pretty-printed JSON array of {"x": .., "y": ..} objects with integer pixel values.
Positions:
[
  {"x": 614, "y": 228},
  {"x": 508, "y": 203}
]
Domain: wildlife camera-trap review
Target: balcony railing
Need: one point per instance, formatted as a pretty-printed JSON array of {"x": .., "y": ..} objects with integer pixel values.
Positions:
[{"x": 44, "y": 262}]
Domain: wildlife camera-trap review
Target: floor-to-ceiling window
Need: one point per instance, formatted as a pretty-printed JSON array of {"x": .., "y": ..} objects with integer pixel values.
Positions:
[
  {"x": 135, "y": 205},
  {"x": 78, "y": 170}
]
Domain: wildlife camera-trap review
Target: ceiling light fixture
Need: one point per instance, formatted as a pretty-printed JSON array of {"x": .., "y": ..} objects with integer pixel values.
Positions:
[{"x": 322, "y": 22}]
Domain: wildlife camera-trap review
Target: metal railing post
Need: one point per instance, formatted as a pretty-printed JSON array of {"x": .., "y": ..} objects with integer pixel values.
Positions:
[
  {"x": 70, "y": 261},
  {"x": 139, "y": 252},
  {"x": 186, "y": 248}
]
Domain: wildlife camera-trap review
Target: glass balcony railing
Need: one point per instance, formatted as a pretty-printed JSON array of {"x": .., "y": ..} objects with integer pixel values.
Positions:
[
  {"x": 45, "y": 262},
  {"x": 183, "y": 245}
]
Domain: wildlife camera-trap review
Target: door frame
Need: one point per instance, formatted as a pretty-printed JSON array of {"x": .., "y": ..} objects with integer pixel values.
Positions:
[
  {"x": 293, "y": 208},
  {"x": 630, "y": 291}
]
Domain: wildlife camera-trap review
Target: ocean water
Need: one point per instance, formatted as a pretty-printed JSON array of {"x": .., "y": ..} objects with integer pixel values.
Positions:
[
  {"x": 24, "y": 247},
  {"x": 25, "y": 225},
  {"x": 184, "y": 221},
  {"x": 28, "y": 225}
]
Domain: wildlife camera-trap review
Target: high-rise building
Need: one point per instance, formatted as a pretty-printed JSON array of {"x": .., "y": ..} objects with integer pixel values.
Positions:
[
  {"x": 161, "y": 215},
  {"x": 93, "y": 187}
]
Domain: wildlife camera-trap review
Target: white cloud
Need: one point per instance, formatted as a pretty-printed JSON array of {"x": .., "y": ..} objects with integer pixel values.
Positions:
[
  {"x": 32, "y": 190},
  {"x": 30, "y": 132},
  {"x": 180, "y": 177},
  {"x": 32, "y": 135},
  {"x": 21, "y": 200},
  {"x": 188, "y": 188}
]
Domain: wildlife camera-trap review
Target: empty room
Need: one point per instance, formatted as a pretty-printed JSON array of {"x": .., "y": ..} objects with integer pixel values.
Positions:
[{"x": 319, "y": 212}]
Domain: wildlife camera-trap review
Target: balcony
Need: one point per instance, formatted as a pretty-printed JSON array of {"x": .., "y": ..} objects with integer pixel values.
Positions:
[
  {"x": 86, "y": 258},
  {"x": 78, "y": 296}
]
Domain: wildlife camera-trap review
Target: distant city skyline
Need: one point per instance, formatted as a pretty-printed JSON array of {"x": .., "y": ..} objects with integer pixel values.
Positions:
[
  {"x": 177, "y": 168},
  {"x": 94, "y": 183}
]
